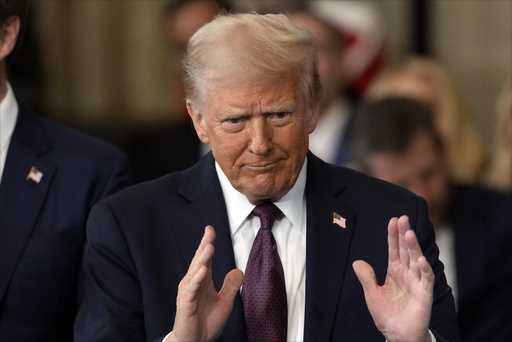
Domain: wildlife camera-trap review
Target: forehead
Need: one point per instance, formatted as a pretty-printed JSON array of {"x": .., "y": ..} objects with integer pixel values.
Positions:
[{"x": 252, "y": 95}]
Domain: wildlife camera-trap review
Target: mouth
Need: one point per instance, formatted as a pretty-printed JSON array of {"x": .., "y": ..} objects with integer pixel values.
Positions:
[{"x": 261, "y": 167}]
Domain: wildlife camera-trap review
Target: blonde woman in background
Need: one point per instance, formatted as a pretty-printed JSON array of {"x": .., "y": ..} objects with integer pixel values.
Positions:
[
  {"x": 424, "y": 80},
  {"x": 500, "y": 171}
]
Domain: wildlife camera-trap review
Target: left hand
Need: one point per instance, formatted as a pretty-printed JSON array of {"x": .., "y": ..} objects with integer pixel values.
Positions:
[{"x": 401, "y": 307}]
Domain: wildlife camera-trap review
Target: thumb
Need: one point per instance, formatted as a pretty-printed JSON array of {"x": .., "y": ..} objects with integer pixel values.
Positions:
[
  {"x": 366, "y": 276},
  {"x": 231, "y": 285}
]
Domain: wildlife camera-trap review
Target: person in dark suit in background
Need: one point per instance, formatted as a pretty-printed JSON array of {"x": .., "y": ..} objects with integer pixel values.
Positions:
[
  {"x": 50, "y": 177},
  {"x": 395, "y": 140},
  {"x": 296, "y": 226}
]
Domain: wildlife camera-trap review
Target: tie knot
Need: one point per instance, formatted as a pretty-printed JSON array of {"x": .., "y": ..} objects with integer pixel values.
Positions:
[{"x": 268, "y": 213}]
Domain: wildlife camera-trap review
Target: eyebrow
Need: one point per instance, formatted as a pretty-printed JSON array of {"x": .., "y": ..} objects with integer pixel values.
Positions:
[{"x": 288, "y": 106}]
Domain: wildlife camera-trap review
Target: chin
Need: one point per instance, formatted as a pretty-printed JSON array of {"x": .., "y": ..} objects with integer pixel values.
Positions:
[{"x": 256, "y": 194}]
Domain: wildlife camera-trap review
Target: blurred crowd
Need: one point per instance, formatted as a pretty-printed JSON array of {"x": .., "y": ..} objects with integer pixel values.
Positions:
[{"x": 403, "y": 122}]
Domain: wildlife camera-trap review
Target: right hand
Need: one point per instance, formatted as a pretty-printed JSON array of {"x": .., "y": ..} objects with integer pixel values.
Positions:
[{"x": 201, "y": 311}]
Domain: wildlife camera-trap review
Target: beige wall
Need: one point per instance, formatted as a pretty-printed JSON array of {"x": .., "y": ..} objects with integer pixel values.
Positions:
[{"x": 104, "y": 59}]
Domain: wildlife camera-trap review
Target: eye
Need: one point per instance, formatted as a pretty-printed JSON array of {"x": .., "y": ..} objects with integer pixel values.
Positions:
[
  {"x": 234, "y": 123},
  {"x": 279, "y": 118}
]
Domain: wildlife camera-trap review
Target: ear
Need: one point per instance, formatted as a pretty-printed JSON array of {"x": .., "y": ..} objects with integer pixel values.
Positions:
[
  {"x": 199, "y": 121},
  {"x": 312, "y": 118},
  {"x": 9, "y": 31}
]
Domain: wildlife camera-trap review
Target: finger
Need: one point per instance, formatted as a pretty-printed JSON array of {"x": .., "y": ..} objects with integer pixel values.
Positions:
[
  {"x": 194, "y": 279},
  {"x": 198, "y": 259},
  {"x": 393, "y": 255},
  {"x": 231, "y": 285},
  {"x": 189, "y": 290},
  {"x": 427, "y": 275},
  {"x": 201, "y": 259},
  {"x": 366, "y": 277},
  {"x": 413, "y": 245},
  {"x": 403, "y": 226},
  {"x": 414, "y": 253},
  {"x": 208, "y": 237},
  {"x": 198, "y": 279}
]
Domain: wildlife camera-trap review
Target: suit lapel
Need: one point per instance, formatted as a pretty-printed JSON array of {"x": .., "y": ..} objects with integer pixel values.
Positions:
[
  {"x": 327, "y": 248},
  {"x": 20, "y": 198},
  {"x": 208, "y": 208}
]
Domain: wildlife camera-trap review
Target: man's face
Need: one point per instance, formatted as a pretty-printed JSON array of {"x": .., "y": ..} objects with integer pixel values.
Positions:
[
  {"x": 419, "y": 168},
  {"x": 258, "y": 134}
]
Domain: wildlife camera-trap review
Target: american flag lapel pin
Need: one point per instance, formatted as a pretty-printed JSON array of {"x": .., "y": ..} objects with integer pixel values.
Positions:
[
  {"x": 34, "y": 175},
  {"x": 339, "y": 220}
]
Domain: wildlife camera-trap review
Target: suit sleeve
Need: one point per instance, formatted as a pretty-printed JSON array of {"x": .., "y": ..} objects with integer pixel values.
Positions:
[
  {"x": 111, "y": 309},
  {"x": 443, "y": 322}
]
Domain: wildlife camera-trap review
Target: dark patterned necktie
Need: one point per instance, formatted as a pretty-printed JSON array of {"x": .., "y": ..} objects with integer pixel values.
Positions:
[{"x": 263, "y": 291}]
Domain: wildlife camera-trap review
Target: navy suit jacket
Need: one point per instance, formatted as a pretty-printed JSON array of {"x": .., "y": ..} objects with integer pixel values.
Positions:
[
  {"x": 482, "y": 228},
  {"x": 42, "y": 224},
  {"x": 141, "y": 241}
]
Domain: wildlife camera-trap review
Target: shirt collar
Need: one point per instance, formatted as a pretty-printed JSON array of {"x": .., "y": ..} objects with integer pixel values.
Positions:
[
  {"x": 8, "y": 117},
  {"x": 238, "y": 206}
]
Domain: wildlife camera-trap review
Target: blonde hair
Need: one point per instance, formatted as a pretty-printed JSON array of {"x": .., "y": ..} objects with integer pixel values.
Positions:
[
  {"x": 256, "y": 47},
  {"x": 500, "y": 171},
  {"x": 464, "y": 151}
]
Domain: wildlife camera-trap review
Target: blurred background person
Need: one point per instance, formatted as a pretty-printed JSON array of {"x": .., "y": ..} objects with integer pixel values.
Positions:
[
  {"x": 181, "y": 19},
  {"x": 349, "y": 56},
  {"x": 424, "y": 80},
  {"x": 500, "y": 171},
  {"x": 395, "y": 139},
  {"x": 164, "y": 147},
  {"x": 50, "y": 177},
  {"x": 364, "y": 42}
]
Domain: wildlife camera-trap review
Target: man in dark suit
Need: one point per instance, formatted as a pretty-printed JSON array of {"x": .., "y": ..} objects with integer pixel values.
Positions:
[
  {"x": 291, "y": 223},
  {"x": 50, "y": 177},
  {"x": 395, "y": 140}
]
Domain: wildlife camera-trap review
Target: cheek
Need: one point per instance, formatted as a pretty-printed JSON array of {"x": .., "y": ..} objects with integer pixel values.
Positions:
[{"x": 227, "y": 149}]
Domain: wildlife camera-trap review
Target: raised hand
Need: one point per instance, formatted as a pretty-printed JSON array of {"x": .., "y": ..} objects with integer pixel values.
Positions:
[
  {"x": 201, "y": 311},
  {"x": 401, "y": 307}
]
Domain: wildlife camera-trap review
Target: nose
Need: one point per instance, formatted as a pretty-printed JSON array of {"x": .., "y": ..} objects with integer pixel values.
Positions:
[{"x": 261, "y": 136}]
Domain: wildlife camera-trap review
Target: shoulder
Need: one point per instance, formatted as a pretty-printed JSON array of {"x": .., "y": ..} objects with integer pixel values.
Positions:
[
  {"x": 70, "y": 142},
  {"x": 151, "y": 196},
  {"x": 84, "y": 164},
  {"x": 359, "y": 186},
  {"x": 480, "y": 203},
  {"x": 477, "y": 194}
]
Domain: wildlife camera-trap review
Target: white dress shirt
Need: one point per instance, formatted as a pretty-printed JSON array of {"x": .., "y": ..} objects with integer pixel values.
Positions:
[{"x": 8, "y": 117}]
